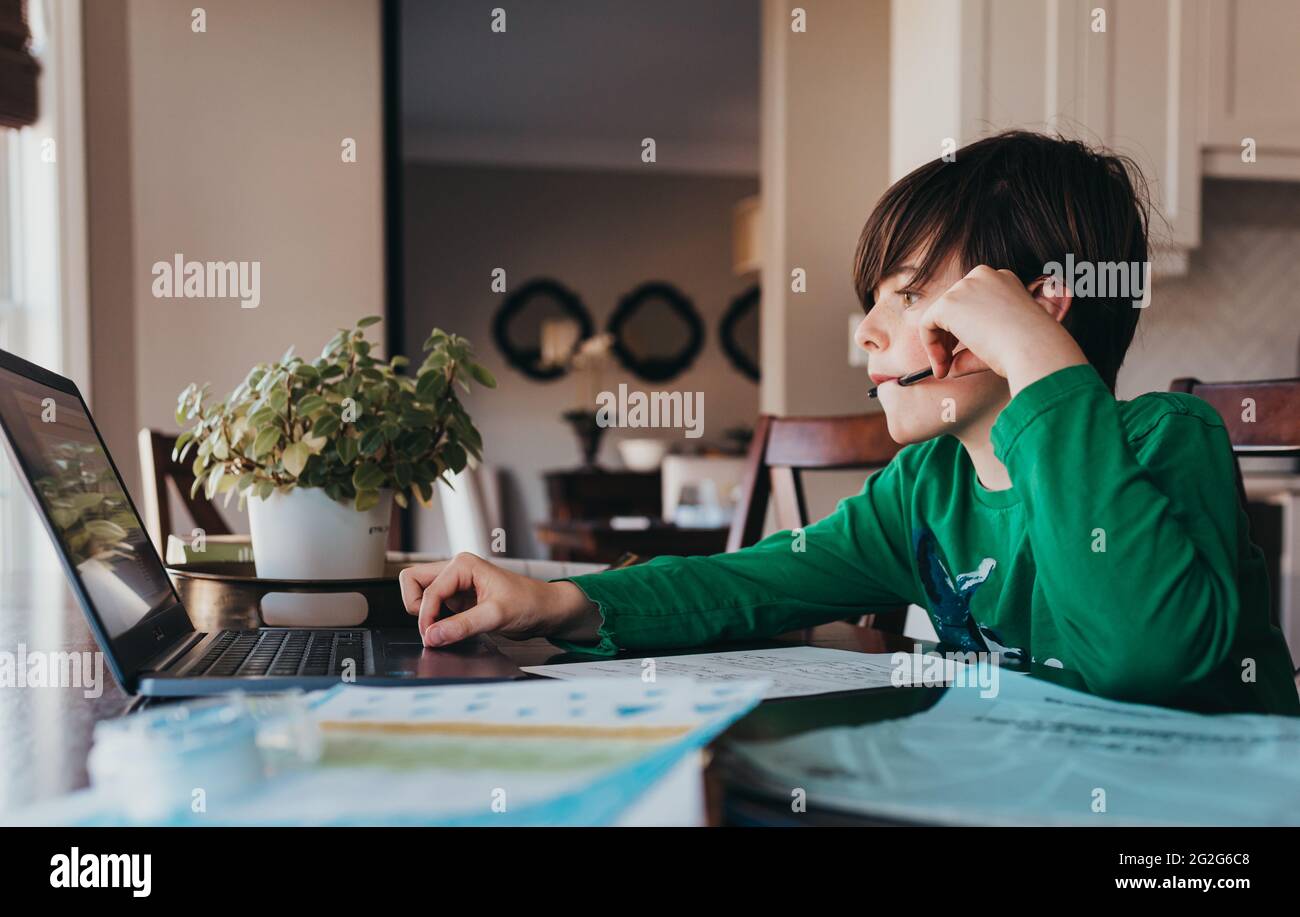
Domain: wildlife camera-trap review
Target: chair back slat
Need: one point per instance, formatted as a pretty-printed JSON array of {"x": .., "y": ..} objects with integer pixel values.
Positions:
[
  {"x": 156, "y": 469},
  {"x": 782, "y": 449},
  {"x": 1262, "y": 417}
]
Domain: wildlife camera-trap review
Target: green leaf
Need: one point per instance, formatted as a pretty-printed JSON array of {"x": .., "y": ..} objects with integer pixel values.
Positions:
[
  {"x": 312, "y": 404},
  {"x": 179, "y": 449},
  {"x": 371, "y": 441},
  {"x": 295, "y": 457},
  {"x": 367, "y": 499},
  {"x": 370, "y": 320},
  {"x": 430, "y": 386},
  {"x": 260, "y": 418},
  {"x": 347, "y": 449},
  {"x": 481, "y": 375},
  {"x": 325, "y": 425},
  {"x": 267, "y": 440},
  {"x": 214, "y": 481},
  {"x": 454, "y": 456},
  {"x": 368, "y": 476}
]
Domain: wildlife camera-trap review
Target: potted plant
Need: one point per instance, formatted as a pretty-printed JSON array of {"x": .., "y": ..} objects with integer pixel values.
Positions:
[{"x": 319, "y": 450}]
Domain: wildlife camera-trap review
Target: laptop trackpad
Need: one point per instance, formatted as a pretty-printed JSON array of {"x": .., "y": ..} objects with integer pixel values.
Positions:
[{"x": 475, "y": 658}]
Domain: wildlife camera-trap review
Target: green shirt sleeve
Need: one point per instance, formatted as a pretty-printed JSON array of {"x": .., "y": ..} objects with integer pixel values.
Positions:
[
  {"x": 1134, "y": 531},
  {"x": 852, "y": 562}
]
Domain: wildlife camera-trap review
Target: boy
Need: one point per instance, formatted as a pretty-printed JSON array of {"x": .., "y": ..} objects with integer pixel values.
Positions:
[{"x": 1030, "y": 511}]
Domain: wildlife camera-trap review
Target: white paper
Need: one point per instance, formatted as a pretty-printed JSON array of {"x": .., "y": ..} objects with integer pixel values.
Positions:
[
  {"x": 1041, "y": 754},
  {"x": 794, "y": 671}
]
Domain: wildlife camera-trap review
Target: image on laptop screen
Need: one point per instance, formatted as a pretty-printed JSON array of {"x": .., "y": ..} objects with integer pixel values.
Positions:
[{"x": 99, "y": 533}]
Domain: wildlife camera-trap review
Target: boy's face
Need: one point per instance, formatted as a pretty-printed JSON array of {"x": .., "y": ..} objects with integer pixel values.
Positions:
[{"x": 931, "y": 407}]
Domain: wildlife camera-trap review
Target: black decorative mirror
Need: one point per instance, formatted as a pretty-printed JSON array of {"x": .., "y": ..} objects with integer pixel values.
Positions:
[
  {"x": 518, "y": 326},
  {"x": 656, "y": 332},
  {"x": 738, "y": 332}
]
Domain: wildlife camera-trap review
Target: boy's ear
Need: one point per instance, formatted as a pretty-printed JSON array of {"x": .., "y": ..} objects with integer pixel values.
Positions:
[{"x": 1053, "y": 295}]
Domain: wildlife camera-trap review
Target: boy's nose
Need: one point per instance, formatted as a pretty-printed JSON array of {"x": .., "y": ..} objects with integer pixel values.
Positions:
[{"x": 869, "y": 335}]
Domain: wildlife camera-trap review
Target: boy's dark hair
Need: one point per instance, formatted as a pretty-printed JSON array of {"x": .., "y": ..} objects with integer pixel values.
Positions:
[{"x": 1019, "y": 201}]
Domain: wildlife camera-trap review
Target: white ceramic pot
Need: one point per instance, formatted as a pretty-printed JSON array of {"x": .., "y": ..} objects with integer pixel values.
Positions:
[{"x": 303, "y": 534}]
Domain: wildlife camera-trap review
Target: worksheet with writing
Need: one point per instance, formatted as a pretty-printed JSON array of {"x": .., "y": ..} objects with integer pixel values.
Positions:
[{"x": 794, "y": 671}]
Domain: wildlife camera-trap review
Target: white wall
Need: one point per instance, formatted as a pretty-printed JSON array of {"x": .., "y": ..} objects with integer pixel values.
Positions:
[
  {"x": 825, "y": 161},
  {"x": 232, "y": 152}
]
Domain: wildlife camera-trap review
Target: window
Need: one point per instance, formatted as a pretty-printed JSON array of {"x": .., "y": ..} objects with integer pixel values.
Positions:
[{"x": 43, "y": 315}]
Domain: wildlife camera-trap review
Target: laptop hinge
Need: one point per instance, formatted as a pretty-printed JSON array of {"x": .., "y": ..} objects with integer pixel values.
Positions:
[{"x": 164, "y": 660}]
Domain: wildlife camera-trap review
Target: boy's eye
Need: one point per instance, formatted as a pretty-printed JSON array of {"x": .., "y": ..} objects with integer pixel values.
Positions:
[{"x": 910, "y": 297}]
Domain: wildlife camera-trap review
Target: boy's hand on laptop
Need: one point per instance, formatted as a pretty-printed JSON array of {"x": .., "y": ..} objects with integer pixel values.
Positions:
[
  {"x": 468, "y": 595},
  {"x": 990, "y": 320}
]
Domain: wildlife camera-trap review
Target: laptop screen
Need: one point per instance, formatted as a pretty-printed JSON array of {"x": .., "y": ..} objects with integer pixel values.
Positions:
[{"x": 97, "y": 530}]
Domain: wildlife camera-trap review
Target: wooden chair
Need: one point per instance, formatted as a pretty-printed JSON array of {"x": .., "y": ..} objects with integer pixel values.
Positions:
[
  {"x": 1266, "y": 425},
  {"x": 1262, "y": 417},
  {"x": 156, "y": 470},
  {"x": 785, "y": 447}
]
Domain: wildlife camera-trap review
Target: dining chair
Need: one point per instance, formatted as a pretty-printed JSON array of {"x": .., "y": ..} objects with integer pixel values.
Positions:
[
  {"x": 783, "y": 448},
  {"x": 1263, "y": 421},
  {"x": 1262, "y": 416},
  {"x": 157, "y": 470}
]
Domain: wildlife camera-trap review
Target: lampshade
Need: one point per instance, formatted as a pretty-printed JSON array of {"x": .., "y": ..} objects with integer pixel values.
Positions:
[{"x": 746, "y": 240}]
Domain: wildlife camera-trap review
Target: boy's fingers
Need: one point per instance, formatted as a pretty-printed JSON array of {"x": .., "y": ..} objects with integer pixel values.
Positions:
[
  {"x": 964, "y": 363},
  {"x": 938, "y": 349},
  {"x": 413, "y": 580},
  {"x": 457, "y": 576},
  {"x": 480, "y": 619}
]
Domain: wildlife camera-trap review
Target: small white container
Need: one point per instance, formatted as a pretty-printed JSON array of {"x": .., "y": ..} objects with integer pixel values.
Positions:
[{"x": 180, "y": 761}]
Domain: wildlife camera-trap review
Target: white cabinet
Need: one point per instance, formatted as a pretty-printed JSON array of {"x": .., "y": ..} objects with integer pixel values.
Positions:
[
  {"x": 1121, "y": 73},
  {"x": 1252, "y": 88}
]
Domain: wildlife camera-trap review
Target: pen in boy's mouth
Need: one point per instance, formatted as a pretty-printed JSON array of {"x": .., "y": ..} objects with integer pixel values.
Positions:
[{"x": 904, "y": 381}]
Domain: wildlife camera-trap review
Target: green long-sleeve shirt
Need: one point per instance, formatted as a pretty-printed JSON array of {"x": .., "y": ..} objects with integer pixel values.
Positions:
[{"x": 1120, "y": 552}]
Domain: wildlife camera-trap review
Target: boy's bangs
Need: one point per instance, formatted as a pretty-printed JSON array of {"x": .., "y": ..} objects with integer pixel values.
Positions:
[{"x": 915, "y": 224}]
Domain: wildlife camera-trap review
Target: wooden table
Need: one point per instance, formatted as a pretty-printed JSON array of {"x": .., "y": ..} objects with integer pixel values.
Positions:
[{"x": 47, "y": 731}]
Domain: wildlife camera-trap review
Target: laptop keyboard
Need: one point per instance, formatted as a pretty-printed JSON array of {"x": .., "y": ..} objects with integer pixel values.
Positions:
[{"x": 249, "y": 653}]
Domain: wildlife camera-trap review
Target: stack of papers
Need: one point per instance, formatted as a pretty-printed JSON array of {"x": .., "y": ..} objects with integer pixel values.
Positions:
[{"x": 1037, "y": 753}]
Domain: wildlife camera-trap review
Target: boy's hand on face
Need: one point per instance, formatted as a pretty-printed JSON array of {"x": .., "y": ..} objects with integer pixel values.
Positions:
[
  {"x": 989, "y": 320},
  {"x": 466, "y": 596}
]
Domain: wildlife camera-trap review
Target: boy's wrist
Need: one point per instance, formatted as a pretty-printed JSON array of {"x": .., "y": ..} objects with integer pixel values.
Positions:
[
  {"x": 577, "y": 617},
  {"x": 1041, "y": 361}
]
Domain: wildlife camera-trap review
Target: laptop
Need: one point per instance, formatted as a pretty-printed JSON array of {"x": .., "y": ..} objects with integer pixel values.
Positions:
[{"x": 133, "y": 609}]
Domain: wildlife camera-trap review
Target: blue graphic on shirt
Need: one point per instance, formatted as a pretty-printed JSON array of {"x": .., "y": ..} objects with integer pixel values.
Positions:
[{"x": 949, "y": 601}]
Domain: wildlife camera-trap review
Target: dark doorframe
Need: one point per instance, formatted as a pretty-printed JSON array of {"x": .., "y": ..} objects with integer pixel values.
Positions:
[{"x": 394, "y": 231}]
